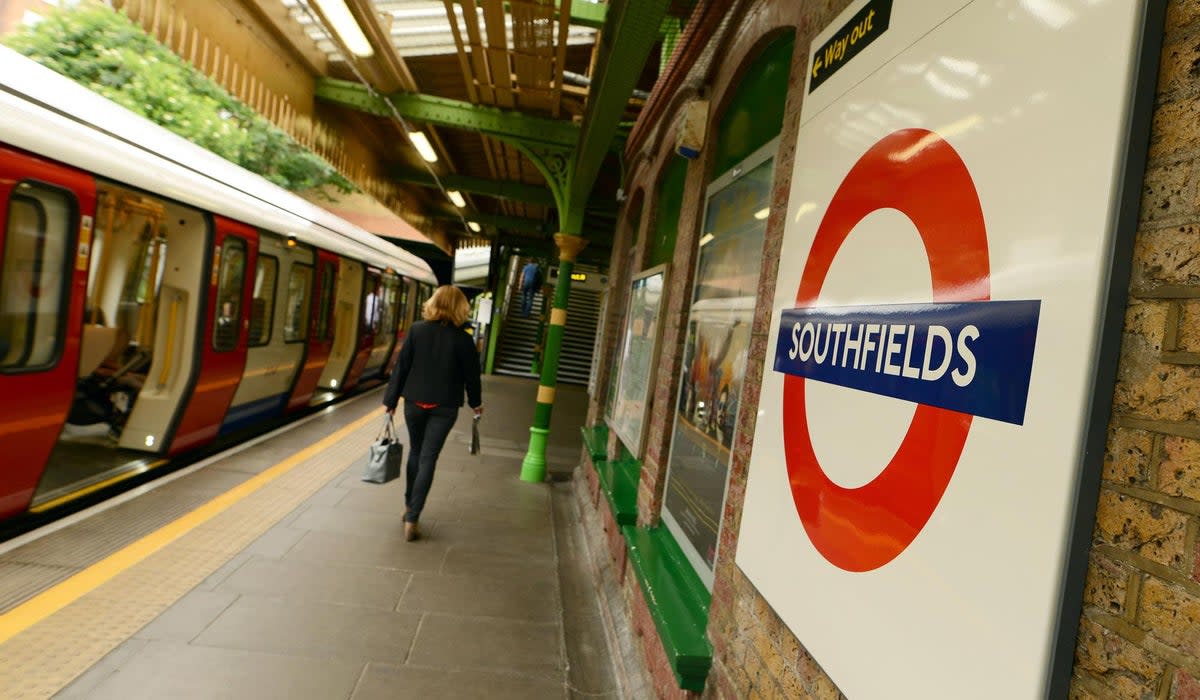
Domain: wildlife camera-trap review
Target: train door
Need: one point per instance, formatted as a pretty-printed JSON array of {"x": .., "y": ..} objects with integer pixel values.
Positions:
[
  {"x": 406, "y": 313},
  {"x": 383, "y": 325},
  {"x": 47, "y": 213},
  {"x": 368, "y": 327},
  {"x": 224, "y": 337},
  {"x": 347, "y": 303},
  {"x": 320, "y": 338},
  {"x": 274, "y": 355}
]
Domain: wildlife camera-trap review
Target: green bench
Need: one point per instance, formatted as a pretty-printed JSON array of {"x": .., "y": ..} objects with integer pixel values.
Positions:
[
  {"x": 618, "y": 479},
  {"x": 678, "y": 601}
]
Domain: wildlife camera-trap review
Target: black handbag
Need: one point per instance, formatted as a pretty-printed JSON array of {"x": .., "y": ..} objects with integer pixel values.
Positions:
[{"x": 385, "y": 455}]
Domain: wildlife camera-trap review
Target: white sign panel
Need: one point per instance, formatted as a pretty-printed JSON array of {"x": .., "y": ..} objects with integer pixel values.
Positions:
[{"x": 933, "y": 349}]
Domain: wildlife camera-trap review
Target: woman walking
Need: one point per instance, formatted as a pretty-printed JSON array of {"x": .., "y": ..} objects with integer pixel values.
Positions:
[{"x": 438, "y": 362}]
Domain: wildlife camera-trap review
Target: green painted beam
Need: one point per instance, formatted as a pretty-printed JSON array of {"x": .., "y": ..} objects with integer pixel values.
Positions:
[
  {"x": 500, "y": 189},
  {"x": 631, "y": 29},
  {"x": 454, "y": 114}
]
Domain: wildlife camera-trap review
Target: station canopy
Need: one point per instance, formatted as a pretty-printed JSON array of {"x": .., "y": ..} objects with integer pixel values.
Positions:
[{"x": 495, "y": 116}]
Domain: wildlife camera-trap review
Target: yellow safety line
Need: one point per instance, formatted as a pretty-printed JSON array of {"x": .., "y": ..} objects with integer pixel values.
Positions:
[
  {"x": 60, "y": 596},
  {"x": 43, "y": 507}
]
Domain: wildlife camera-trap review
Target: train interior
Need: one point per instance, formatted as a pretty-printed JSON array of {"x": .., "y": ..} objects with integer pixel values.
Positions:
[{"x": 138, "y": 338}]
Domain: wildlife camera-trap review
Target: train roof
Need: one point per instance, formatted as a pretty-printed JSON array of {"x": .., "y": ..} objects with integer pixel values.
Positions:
[{"x": 48, "y": 114}]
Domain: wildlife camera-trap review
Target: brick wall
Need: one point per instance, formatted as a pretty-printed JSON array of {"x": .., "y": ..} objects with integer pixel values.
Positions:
[
  {"x": 1140, "y": 632},
  {"x": 1139, "y": 635}
]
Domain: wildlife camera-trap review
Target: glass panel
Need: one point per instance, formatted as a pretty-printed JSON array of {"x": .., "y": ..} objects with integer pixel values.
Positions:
[
  {"x": 296, "y": 316},
  {"x": 714, "y": 362},
  {"x": 262, "y": 306},
  {"x": 403, "y": 319},
  {"x": 328, "y": 282},
  {"x": 371, "y": 304},
  {"x": 387, "y": 312},
  {"x": 32, "y": 274},
  {"x": 230, "y": 279}
]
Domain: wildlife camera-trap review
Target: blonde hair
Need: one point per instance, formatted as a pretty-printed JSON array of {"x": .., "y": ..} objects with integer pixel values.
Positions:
[{"x": 448, "y": 303}]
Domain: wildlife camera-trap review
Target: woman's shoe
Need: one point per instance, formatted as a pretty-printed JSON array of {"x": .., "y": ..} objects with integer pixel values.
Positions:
[{"x": 411, "y": 532}]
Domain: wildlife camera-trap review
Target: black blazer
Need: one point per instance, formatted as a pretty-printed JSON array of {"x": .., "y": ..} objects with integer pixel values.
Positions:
[{"x": 437, "y": 362}]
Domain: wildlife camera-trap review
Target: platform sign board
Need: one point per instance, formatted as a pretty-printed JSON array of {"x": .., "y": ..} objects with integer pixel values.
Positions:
[{"x": 939, "y": 362}]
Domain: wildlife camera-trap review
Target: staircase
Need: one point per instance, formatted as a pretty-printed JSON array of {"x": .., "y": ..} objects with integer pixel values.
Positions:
[{"x": 519, "y": 336}]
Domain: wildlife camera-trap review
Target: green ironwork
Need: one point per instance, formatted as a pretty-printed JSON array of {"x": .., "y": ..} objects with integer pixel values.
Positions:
[
  {"x": 631, "y": 30},
  {"x": 456, "y": 114},
  {"x": 500, "y": 189},
  {"x": 553, "y": 163}
]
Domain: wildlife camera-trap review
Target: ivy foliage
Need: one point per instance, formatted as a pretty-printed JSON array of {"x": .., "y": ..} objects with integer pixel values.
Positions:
[{"x": 110, "y": 54}]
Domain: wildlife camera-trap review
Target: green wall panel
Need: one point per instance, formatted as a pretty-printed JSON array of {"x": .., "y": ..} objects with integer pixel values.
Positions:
[
  {"x": 670, "y": 201},
  {"x": 755, "y": 114}
]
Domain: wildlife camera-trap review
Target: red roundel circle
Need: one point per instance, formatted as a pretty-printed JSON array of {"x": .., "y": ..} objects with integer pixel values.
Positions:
[{"x": 918, "y": 173}]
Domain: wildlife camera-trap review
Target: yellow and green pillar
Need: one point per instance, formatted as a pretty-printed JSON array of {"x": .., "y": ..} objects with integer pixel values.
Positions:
[{"x": 533, "y": 467}]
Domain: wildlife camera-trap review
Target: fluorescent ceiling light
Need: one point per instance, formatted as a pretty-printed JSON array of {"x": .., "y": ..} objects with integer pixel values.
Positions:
[
  {"x": 762, "y": 213},
  {"x": 456, "y": 197},
  {"x": 421, "y": 142},
  {"x": 706, "y": 239},
  {"x": 345, "y": 26},
  {"x": 474, "y": 226}
]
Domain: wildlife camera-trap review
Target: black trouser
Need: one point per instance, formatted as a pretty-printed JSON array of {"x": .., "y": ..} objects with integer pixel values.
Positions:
[{"x": 427, "y": 431}]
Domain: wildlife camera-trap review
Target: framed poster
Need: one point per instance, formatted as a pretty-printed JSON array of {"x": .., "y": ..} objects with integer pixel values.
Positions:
[
  {"x": 638, "y": 358},
  {"x": 943, "y": 339},
  {"x": 715, "y": 351}
]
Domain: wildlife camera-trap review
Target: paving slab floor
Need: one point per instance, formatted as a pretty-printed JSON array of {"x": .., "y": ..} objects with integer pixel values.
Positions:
[{"x": 331, "y": 602}]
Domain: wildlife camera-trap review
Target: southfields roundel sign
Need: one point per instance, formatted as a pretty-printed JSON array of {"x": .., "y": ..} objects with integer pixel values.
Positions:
[{"x": 959, "y": 357}]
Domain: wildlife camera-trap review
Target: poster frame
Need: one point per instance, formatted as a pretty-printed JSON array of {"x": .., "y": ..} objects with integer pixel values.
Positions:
[
  {"x": 636, "y": 441},
  {"x": 767, "y": 152}
]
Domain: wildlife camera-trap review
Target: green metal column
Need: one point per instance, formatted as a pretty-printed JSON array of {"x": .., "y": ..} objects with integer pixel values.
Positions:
[{"x": 533, "y": 468}]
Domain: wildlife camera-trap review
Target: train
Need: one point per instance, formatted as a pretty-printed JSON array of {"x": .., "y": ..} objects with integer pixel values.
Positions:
[{"x": 156, "y": 299}]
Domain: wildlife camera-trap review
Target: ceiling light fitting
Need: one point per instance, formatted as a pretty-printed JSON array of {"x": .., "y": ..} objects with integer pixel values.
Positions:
[
  {"x": 346, "y": 27},
  {"x": 421, "y": 142}
]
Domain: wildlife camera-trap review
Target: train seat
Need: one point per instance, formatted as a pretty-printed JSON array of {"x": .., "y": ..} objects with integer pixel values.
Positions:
[{"x": 97, "y": 345}]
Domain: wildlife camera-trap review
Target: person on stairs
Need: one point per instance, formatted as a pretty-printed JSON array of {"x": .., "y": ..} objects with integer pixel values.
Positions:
[
  {"x": 437, "y": 363},
  {"x": 531, "y": 279}
]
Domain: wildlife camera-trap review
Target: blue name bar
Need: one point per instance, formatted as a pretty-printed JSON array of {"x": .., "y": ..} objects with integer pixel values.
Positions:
[{"x": 973, "y": 357}]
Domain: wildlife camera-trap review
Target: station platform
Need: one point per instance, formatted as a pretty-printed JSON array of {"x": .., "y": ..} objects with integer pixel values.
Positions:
[{"x": 273, "y": 571}]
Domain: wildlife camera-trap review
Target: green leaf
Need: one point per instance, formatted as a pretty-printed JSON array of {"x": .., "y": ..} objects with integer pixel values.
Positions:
[{"x": 108, "y": 53}]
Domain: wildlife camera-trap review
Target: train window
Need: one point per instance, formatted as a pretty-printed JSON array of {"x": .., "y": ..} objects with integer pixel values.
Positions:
[
  {"x": 295, "y": 319},
  {"x": 371, "y": 304},
  {"x": 230, "y": 280},
  {"x": 262, "y": 306},
  {"x": 325, "y": 312},
  {"x": 402, "y": 315},
  {"x": 34, "y": 271},
  {"x": 387, "y": 310}
]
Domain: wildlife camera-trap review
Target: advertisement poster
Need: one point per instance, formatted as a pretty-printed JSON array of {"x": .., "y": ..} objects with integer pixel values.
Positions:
[
  {"x": 932, "y": 414},
  {"x": 715, "y": 351},
  {"x": 639, "y": 352}
]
